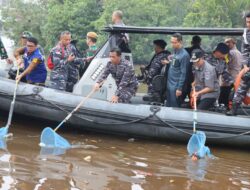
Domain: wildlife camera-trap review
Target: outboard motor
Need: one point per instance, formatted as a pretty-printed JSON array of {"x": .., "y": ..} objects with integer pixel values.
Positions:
[
  {"x": 12, "y": 73},
  {"x": 160, "y": 86}
]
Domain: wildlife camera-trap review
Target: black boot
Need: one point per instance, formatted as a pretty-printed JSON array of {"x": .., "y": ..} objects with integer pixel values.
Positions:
[{"x": 234, "y": 109}]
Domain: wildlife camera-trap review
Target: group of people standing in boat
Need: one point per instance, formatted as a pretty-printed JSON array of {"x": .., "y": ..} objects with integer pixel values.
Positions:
[
  {"x": 64, "y": 60},
  {"x": 210, "y": 77}
]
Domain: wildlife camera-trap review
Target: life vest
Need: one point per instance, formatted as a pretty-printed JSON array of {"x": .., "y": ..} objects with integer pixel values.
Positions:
[
  {"x": 39, "y": 73},
  {"x": 238, "y": 79}
]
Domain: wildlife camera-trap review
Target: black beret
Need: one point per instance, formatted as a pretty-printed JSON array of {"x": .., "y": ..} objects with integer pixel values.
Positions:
[{"x": 160, "y": 43}]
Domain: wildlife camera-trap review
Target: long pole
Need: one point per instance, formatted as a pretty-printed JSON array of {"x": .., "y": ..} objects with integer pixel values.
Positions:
[
  {"x": 195, "y": 113},
  {"x": 13, "y": 101},
  {"x": 71, "y": 113}
]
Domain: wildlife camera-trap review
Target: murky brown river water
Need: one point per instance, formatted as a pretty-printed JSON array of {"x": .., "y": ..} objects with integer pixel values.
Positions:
[{"x": 108, "y": 162}]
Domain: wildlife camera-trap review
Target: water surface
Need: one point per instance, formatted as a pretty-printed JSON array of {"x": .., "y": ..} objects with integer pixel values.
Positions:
[{"x": 102, "y": 162}]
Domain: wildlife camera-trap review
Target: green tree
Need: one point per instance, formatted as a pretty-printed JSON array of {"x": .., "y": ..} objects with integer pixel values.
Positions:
[
  {"x": 72, "y": 15},
  {"x": 46, "y": 19},
  {"x": 21, "y": 16},
  {"x": 215, "y": 13},
  {"x": 143, "y": 13}
]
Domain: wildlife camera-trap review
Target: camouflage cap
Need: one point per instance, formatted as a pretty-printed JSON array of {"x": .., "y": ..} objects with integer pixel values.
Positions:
[
  {"x": 92, "y": 35},
  {"x": 26, "y": 34}
]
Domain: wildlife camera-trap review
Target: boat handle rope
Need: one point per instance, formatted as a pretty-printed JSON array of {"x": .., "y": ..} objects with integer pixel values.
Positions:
[
  {"x": 89, "y": 120},
  {"x": 152, "y": 109},
  {"x": 245, "y": 112},
  {"x": 230, "y": 136}
]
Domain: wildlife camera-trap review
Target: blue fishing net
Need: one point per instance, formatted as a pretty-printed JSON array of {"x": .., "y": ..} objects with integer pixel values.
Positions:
[
  {"x": 49, "y": 138},
  {"x": 196, "y": 145},
  {"x": 3, "y": 132}
]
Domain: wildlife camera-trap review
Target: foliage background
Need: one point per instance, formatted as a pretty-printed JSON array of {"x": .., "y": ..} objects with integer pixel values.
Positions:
[{"x": 47, "y": 18}]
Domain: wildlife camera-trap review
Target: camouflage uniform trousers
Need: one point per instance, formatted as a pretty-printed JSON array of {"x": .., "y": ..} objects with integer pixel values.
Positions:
[
  {"x": 126, "y": 94},
  {"x": 58, "y": 80},
  {"x": 243, "y": 89},
  {"x": 73, "y": 77},
  {"x": 3, "y": 53}
]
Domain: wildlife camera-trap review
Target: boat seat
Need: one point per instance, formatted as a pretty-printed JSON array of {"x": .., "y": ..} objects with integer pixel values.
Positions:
[{"x": 160, "y": 85}]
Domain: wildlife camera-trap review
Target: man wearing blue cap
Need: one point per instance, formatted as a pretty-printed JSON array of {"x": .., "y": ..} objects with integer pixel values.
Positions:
[{"x": 3, "y": 52}]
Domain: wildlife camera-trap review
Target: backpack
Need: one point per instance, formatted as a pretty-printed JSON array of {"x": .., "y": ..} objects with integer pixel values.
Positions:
[{"x": 50, "y": 63}]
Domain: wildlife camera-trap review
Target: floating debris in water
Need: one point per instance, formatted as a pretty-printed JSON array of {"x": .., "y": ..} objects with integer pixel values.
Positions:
[
  {"x": 131, "y": 140},
  {"x": 141, "y": 164},
  {"x": 42, "y": 144},
  {"x": 141, "y": 173},
  {"x": 87, "y": 158},
  {"x": 84, "y": 146},
  {"x": 89, "y": 146},
  {"x": 136, "y": 187},
  {"x": 92, "y": 173}
]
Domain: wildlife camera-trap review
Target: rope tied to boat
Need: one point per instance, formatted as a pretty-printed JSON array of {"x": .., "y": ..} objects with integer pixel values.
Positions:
[
  {"x": 96, "y": 122},
  {"x": 153, "y": 109},
  {"x": 208, "y": 137},
  {"x": 245, "y": 112}
]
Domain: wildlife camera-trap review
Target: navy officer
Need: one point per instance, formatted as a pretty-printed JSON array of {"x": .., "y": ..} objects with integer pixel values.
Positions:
[{"x": 123, "y": 73}]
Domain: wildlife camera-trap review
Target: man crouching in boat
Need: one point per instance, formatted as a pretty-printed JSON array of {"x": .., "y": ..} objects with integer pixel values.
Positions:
[
  {"x": 241, "y": 92},
  {"x": 205, "y": 82},
  {"x": 123, "y": 73},
  {"x": 35, "y": 70}
]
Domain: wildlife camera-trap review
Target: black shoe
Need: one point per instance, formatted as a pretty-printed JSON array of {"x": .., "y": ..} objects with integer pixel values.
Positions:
[
  {"x": 148, "y": 97},
  {"x": 233, "y": 111},
  {"x": 152, "y": 97},
  {"x": 140, "y": 77}
]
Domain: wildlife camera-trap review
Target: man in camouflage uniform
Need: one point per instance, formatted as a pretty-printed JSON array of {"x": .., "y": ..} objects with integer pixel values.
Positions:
[
  {"x": 3, "y": 53},
  {"x": 123, "y": 73},
  {"x": 245, "y": 82},
  {"x": 220, "y": 59},
  {"x": 65, "y": 73},
  {"x": 119, "y": 40},
  {"x": 91, "y": 42},
  {"x": 155, "y": 66},
  {"x": 90, "y": 52}
]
